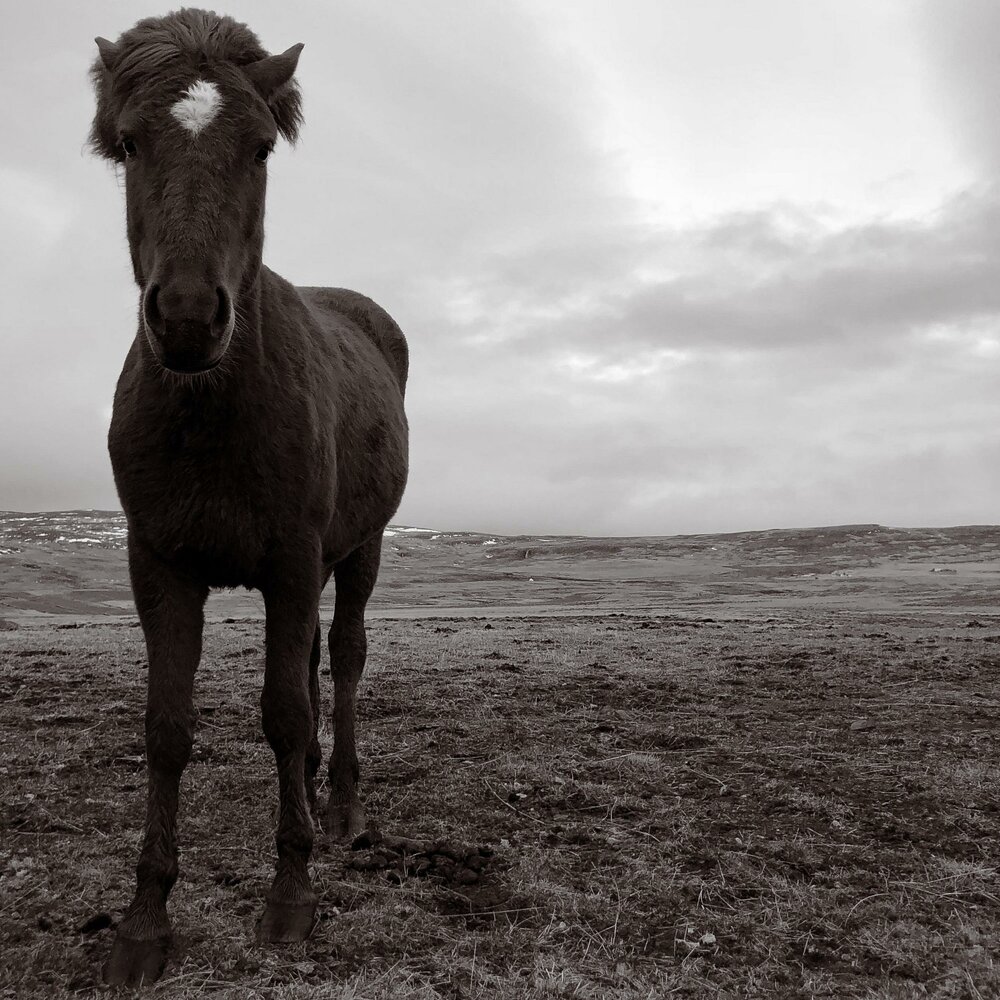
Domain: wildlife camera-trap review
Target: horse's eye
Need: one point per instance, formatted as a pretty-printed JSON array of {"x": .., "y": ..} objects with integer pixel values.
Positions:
[
  {"x": 129, "y": 148},
  {"x": 263, "y": 153}
]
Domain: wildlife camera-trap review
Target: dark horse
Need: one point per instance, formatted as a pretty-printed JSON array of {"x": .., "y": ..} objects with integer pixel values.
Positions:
[{"x": 258, "y": 439}]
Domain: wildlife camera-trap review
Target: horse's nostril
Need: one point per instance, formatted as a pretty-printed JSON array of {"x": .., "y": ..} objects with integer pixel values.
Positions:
[
  {"x": 223, "y": 311},
  {"x": 151, "y": 309}
]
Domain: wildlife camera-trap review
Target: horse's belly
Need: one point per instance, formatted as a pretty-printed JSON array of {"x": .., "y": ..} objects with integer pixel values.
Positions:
[{"x": 370, "y": 494}]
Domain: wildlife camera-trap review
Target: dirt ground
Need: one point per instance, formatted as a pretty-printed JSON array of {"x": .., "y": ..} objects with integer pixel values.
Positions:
[{"x": 799, "y": 802}]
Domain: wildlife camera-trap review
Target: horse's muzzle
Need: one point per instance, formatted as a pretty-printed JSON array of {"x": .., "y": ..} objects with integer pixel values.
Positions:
[{"x": 188, "y": 324}]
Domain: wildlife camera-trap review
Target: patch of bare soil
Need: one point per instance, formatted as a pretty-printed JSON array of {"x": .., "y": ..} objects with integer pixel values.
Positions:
[{"x": 782, "y": 806}]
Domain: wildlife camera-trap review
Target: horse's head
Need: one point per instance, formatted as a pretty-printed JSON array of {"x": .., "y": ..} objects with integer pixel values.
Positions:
[{"x": 191, "y": 105}]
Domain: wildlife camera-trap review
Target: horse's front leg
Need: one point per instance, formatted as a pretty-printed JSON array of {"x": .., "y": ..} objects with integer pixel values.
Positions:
[
  {"x": 170, "y": 607},
  {"x": 291, "y": 602}
]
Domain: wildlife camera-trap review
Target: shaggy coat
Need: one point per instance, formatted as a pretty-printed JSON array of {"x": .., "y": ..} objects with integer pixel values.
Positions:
[{"x": 258, "y": 439}]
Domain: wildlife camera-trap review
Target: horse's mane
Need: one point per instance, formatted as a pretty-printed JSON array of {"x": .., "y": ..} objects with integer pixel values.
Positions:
[{"x": 187, "y": 36}]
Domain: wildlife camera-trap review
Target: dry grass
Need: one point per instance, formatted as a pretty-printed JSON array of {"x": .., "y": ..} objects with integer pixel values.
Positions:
[{"x": 791, "y": 807}]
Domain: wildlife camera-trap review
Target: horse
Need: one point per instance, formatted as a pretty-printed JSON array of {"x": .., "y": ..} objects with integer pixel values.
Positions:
[{"x": 258, "y": 439}]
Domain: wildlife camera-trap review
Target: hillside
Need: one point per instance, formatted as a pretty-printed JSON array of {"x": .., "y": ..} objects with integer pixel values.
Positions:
[{"x": 72, "y": 563}]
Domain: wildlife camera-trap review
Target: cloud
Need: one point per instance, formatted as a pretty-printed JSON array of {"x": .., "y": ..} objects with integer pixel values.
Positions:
[
  {"x": 464, "y": 134},
  {"x": 724, "y": 375},
  {"x": 746, "y": 282},
  {"x": 577, "y": 365}
]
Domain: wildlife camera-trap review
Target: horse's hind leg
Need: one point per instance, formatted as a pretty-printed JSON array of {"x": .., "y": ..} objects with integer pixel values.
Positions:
[
  {"x": 313, "y": 753},
  {"x": 170, "y": 609},
  {"x": 355, "y": 577}
]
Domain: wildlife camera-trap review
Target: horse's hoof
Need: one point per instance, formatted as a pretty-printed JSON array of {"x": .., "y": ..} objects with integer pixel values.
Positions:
[
  {"x": 132, "y": 963},
  {"x": 345, "y": 820},
  {"x": 286, "y": 923}
]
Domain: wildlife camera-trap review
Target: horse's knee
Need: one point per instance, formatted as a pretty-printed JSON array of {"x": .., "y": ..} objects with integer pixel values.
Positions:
[
  {"x": 287, "y": 722},
  {"x": 169, "y": 739},
  {"x": 348, "y": 650}
]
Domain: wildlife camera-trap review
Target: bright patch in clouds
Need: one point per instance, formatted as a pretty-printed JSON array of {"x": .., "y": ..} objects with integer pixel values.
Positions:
[
  {"x": 722, "y": 106},
  {"x": 597, "y": 369}
]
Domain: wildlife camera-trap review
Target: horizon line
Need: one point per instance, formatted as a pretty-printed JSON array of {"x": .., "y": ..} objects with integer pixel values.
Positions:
[{"x": 871, "y": 525}]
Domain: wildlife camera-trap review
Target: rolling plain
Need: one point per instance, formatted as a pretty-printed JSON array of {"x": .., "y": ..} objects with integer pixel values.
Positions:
[{"x": 762, "y": 764}]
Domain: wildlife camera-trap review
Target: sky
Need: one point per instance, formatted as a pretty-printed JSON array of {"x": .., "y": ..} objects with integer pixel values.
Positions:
[{"x": 663, "y": 267}]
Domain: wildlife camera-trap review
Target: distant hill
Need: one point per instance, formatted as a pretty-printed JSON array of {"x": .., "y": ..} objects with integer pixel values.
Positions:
[{"x": 73, "y": 563}]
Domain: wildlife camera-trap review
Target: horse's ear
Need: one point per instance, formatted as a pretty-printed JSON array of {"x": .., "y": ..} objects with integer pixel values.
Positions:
[
  {"x": 273, "y": 72},
  {"x": 104, "y": 131},
  {"x": 109, "y": 53},
  {"x": 272, "y": 77}
]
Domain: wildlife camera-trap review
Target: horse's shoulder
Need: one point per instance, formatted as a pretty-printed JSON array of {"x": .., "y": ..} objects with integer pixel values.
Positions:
[{"x": 368, "y": 316}]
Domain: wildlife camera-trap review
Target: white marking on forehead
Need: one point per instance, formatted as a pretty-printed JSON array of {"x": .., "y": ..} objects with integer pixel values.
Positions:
[{"x": 198, "y": 107}]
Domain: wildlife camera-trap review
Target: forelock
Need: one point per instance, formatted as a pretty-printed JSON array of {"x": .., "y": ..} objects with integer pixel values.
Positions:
[
  {"x": 194, "y": 38},
  {"x": 158, "y": 49}
]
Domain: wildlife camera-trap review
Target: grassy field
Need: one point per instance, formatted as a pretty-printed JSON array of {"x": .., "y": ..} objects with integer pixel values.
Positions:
[{"x": 794, "y": 801}]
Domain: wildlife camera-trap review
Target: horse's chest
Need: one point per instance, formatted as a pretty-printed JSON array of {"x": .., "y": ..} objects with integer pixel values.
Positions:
[
  {"x": 195, "y": 500},
  {"x": 222, "y": 523}
]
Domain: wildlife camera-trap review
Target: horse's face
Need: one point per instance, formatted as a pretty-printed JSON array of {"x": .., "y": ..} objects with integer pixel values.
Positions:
[
  {"x": 195, "y": 175},
  {"x": 194, "y": 146}
]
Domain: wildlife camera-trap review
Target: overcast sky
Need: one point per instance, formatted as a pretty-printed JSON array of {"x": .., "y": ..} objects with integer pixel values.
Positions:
[{"x": 663, "y": 266}]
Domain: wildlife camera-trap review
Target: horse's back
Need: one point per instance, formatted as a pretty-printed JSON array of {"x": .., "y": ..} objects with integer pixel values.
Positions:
[{"x": 380, "y": 328}]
